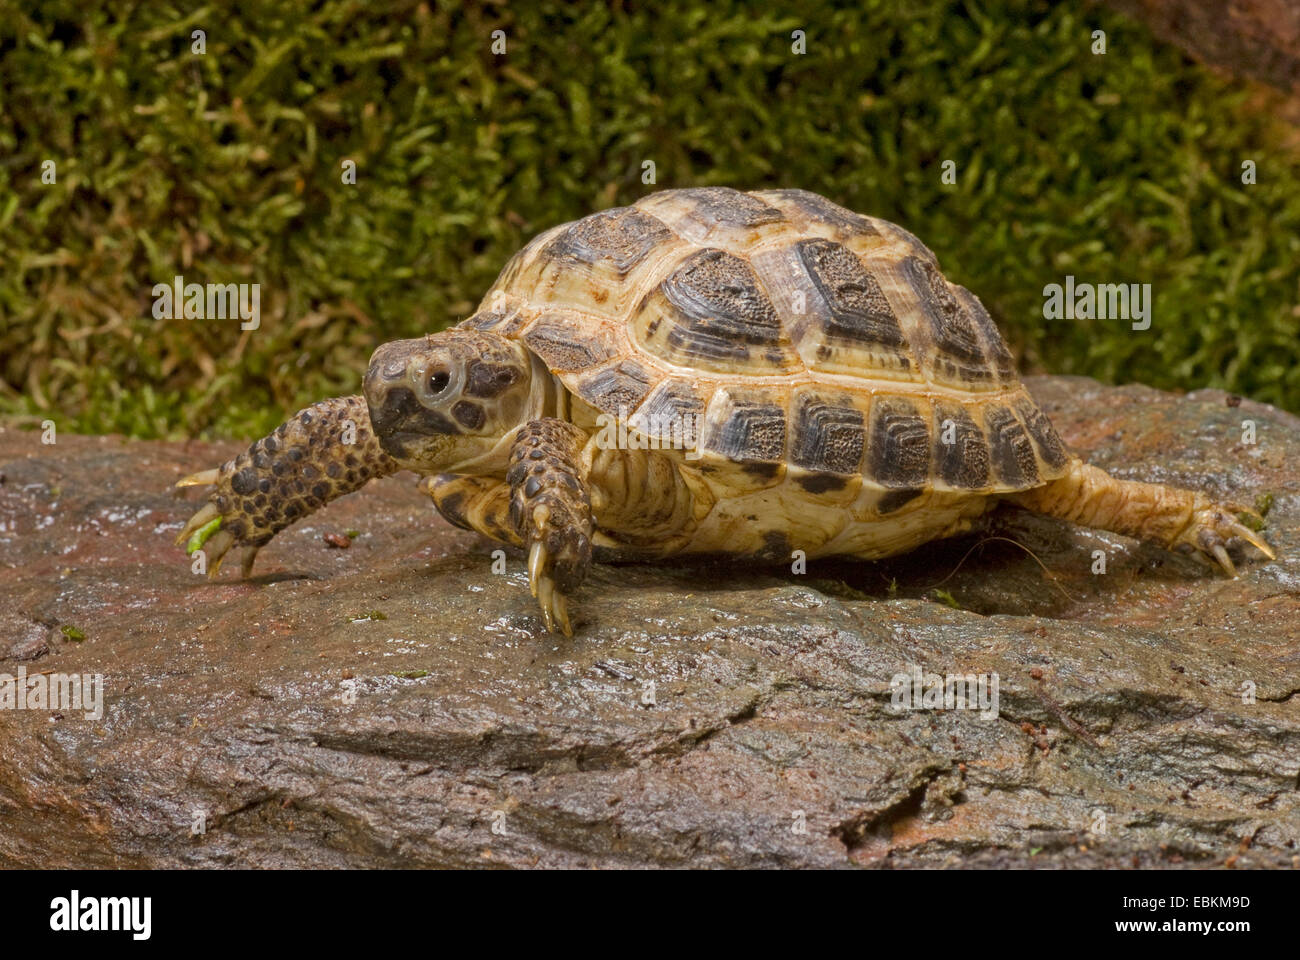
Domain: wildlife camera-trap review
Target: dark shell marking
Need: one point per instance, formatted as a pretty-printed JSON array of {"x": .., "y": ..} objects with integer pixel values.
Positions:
[
  {"x": 1010, "y": 449},
  {"x": 622, "y": 238},
  {"x": 994, "y": 345},
  {"x": 752, "y": 432},
  {"x": 899, "y": 448},
  {"x": 817, "y": 207},
  {"x": 828, "y": 436},
  {"x": 964, "y": 463},
  {"x": 858, "y": 308},
  {"x": 1049, "y": 444},
  {"x": 717, "y": 312},
  {"x": 816, "y": 483},
  {"x": 452, "y": 507},
  {"x": 564, "y": 344},
  {"x": 672, "y": 409},
  {"x": 617, "y": 389},
  {"x": 897, "y": 499},
  {"x": 776, "y": 547},
  {"x": 723, "y": 206},
  {"x": 957, "y": 345},
  {"x": 503, "y": 318}
]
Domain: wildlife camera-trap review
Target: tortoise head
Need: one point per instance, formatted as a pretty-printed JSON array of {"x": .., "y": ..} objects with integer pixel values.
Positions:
[{"x": 440, "y": 402}]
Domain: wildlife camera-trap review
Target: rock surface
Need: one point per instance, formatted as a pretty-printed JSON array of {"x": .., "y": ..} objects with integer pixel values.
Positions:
[
  {"x": 303, "y": 729},
  {"x": 1252, "y": 38}
]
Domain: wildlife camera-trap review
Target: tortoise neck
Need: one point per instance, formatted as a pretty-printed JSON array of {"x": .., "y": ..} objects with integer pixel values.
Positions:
[{"x": 548, "y": 397}]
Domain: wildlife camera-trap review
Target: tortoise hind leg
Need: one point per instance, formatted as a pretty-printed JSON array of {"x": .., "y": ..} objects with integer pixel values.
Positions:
[{"x": 1174, "y": 518}]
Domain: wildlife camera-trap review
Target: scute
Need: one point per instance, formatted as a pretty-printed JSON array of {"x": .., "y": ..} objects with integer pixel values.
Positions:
[
  {"x": 828, "y": 433},
  {"x": 995, "y": 348},
  {"x": 724, "y": 205},
  {"x": 956, "y": 344},
  {"x": 499, "y": 314},
  {"x": 1009, "y": 448},
  {"x": 705, "y": 212},
  {"x": 804, "y": 206},
  {"x": 617, "y": 389},
  {"x": 961, "y": 453},
  {"x": 595, "y": 265},
  {"x": 898, "y": 446},
  {"x": 673, "y": 412},
  {"x": 857, "y": 332},
  {"x": 859, "y": 310},
  {"x": 620, "y": 238},
  {"x": 745, "y": 426},
  {"x": 711, "y": 313},
  {"x": 567, "y": 342},
  {"x": 1044, "y": 435}
]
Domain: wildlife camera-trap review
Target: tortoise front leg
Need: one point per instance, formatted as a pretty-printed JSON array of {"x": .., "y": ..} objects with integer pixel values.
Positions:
[
  {"x": 320, "y": 454},
  {"x": 551, "y": 509}
]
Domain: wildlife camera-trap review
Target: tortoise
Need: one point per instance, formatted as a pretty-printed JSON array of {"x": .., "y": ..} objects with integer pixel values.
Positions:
[{"x": 706, "y": 371}]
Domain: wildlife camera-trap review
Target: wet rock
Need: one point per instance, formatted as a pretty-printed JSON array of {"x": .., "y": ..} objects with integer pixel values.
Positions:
[
  {"x": 22, "y": 638},
  {"x": 398, "y": 704}
]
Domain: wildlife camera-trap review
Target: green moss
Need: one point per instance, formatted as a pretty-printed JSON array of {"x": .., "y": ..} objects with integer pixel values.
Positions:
[
  {"x": 1255, "y": 520},
  {"x": 226, "y": 167},
  {"x": 946, "y": 598}
]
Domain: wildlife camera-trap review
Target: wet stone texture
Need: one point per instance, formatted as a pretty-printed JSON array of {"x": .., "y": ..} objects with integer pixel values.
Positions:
[{"x": 306, "y": 730}]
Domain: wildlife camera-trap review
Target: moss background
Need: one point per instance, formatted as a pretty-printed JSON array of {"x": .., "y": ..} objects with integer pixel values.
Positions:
[{"x": 226, "y": 168}]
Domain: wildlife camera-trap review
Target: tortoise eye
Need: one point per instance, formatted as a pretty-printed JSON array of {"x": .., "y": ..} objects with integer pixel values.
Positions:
[{"x": 438, "y": 382}]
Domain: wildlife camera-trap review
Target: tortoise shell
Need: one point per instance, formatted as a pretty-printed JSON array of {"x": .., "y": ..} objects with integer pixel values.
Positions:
[{"x": 778, "y": 332}]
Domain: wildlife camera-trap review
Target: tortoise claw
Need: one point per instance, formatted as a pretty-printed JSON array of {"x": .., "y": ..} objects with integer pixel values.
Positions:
[
  {"x": 551, "y": 600},
  {"x": 536, "y": 563},
  {"x": 202, "y": 478},
  {"x": 1210, "y": 529},
  {"x": 1244, "y": 532},
  {"x": 1221, "y": 555},
  {"x": 216, "y": 549},
  {"x": 215, "y": 542},
  {"x": 202, "y": 517},
  {"x": 560, "y": 613}
]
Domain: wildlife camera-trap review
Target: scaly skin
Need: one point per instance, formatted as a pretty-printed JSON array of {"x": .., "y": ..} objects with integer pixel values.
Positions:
[
  {"x": 481, "y": 504},
  {"x": 1176, "y": 519},
  {"x": 551, "y": 511},
  {"x": 303, "y": 465}
]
